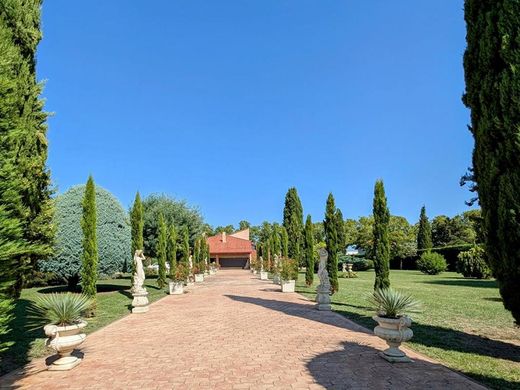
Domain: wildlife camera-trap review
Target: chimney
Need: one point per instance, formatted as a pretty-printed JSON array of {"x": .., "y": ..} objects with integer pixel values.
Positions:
[{"x": 223, "y": 236}]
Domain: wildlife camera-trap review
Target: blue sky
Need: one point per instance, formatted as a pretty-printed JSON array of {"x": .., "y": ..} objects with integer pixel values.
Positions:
[{"x": 229, "y": 103}]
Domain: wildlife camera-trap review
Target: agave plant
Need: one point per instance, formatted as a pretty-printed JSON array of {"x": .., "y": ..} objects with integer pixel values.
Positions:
[
  {"x": 61, "y": 308},
  {"x": 393, "y": 304}
]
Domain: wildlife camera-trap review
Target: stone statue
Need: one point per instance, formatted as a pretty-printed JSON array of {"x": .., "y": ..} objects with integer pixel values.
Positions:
[
  {"x": 343, "y": 267},
  {"x": 323, "y": 289},
  {"x": 276, "y": 276},
  {"x": 261, "y": 264},
  {"x": 140, "y": 301}
]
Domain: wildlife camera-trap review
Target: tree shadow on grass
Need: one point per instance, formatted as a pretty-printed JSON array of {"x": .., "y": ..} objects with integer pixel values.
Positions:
[
  {"x": 427, "y": 335},
  {"x": 478, "y": 283},
  {"x": 25, "y": 330}
]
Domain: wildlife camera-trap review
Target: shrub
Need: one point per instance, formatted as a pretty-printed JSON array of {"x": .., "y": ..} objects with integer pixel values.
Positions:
[
  {"x": 289, "y": 269},
  {"x": 431, "y": 263},
  {"x": 43, "y": 279},
  {"x": 393, "y": 304},
  {"x": 61, "y": 308},
  {"x": 113, "y": 235},
  {"x": 472, "y": 263},
  {"x": 359, "y": 264}
]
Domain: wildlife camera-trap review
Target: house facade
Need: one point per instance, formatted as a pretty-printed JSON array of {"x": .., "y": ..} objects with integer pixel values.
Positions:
[{"x": 231, "y": 250}]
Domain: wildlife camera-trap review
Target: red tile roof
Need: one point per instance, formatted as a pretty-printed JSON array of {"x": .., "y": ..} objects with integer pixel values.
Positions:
[{"x": 232, "y": 245}]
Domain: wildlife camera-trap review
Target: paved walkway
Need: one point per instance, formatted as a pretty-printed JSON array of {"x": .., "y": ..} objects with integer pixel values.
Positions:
[{"x": 237, "y": 332}]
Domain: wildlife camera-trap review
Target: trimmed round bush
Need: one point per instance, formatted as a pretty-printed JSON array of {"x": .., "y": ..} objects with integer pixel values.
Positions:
[
  {"x": 113, "y": 235},
  {"x": 472, "y": 263},
  {"x": 432, "y": 263},
  {"x": 362, "y": 264}
]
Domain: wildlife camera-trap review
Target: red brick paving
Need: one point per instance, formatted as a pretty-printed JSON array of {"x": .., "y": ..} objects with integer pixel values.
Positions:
[{"x": 237, "y": 332}]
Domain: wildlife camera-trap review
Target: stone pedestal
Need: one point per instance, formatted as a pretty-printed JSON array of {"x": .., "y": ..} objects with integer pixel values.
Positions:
[
  {"x": 140, "y": 302},
  {"x": 323, "y": 299},
  {"x": 277, "y": 279}
]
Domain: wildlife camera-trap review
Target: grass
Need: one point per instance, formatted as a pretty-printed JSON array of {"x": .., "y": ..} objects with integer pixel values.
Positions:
[
  {"x": 463, "y": 323},
  {"x": 113, "y": 302}
]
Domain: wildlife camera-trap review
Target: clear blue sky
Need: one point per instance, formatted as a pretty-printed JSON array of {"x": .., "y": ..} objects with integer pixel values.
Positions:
[{"x": 229, "y": 103}]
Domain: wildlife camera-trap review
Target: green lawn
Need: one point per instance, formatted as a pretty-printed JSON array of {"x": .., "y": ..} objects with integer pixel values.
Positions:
[
  {"x": 113, "y": 302},
  {"x": 463, "y": 323}
]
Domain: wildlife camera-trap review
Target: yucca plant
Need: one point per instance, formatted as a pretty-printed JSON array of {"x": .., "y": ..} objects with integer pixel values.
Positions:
[
  {"x": 61, "y": 308},
  {"x": 393, "y": 304}
]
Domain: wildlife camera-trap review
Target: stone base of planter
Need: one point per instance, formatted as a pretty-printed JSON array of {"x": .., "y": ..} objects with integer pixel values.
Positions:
[
  {"x": 264, "y": 275},
  {"x": 212, "y": 272},
  {"x": 176, "y": 288},
  {"x": 140, "y": 302},
  {"x": 199, "y": 278},
  {"x": 288, "y": 286},
  {"x": 65, "y": 363},
  {"x": 190, "y": 284}
]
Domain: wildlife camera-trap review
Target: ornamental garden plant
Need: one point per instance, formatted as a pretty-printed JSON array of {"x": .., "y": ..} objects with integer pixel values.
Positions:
[{"x": 431, "y": 263}]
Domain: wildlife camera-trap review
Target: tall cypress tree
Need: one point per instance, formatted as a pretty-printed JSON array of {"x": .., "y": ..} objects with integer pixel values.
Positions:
[
  {"x": 492, "y": 73},
  {"x": 137, "y": 225},
  {"x": 276, "y": 241},
  {"x": 340, "y": 228},
  {"x": 309, "y": 251},
  {"x": 424, "y": 233},
  {"x": 89, "y": 269},
  {"x": 293, "y": 223},
  {"x": 284, "y": 241},
  {"x": 185, "y": 247},
  {"x": 25, "y": 188},
  {"x": 381, "y": 248},
  {"x": 331, "y": 240},
  {"x": 162, "y": 247},
  {"x": 172, "y": 250}
]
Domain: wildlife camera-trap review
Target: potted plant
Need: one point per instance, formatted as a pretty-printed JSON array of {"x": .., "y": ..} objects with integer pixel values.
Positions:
[
  {"x": 213, "y": 267},
  {"x": 264, "y": 275},
  {"x": 199, "y": 273},
  {"x": 391, "y": 306},
  {"x": 177, "y": 279},
  {"x": 288, "y": 274},
  {"x": 65, "y": 330}
]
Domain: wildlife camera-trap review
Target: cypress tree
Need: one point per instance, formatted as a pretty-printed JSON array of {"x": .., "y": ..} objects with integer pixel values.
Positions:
[
  {"x": 340, "y": 228},
  {"x": 89, "y": 258},
  {"x": 424, "y": 233},
  {"x": 162, "y": 244},
  {"x": 275, "y": 240},
  {"x": 285, "y": 242},
  {"x": 137, "y": 225},
  {"x": 491, "y": 66},
  {"x": 331, "y": 240},
  {"x": 185, "y": 248},
  {"x": 309, "y": 251},
  {"x": 381, "y": 246},
  {"x": 293, "y": 223},
  {"x": 25, "y": 188},
  {"x": 172, "y": 250}
]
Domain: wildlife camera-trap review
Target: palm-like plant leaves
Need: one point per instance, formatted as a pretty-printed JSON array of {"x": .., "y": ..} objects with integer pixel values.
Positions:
[
  {"x": 391, "y": 303},
  {"x": 61, "y": 308}
]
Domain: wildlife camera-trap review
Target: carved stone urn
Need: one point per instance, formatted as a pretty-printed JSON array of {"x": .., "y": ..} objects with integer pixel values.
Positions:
[
  {"x": 64, "y": 339},
  {"x": 394, "y": 331}
]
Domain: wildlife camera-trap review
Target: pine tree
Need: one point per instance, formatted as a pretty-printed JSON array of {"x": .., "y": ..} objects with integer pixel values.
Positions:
[
  {"x": 491, "y": 65},
  {"x": 293, "y": 223},
  {"x": 172, "y": 250},
  {"x": 89, "y": 258},
  {"x": 285, "y": 242},
  {"x": 137, "y": 224},
  {"x": 424, "y": 233},
  {"x": 331, "y": 240},
  {"x": 309, "y": 251},
  {"x": 381, "y": 246},
  {"x": 25, "y": 188},
  {"x": 162, "y": 244},
  {"x": 340, "y": 228}
]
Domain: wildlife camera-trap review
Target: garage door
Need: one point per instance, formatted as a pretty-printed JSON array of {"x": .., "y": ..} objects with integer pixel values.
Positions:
[{"x": 233, "y": 263}]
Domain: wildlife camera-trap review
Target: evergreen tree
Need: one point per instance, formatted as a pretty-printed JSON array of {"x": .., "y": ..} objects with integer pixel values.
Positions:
[
  {"x": 172, "y": 250},
  {"x": 284, "y": 241},
  {"x": 137, "y": 224},
  {"x": 331, "y": 240},
  {"x": 89, "y": 258},
  {"x": 340, "y": 228},
  {"x": 309, "y": 251},
  {"x": 381, "y": 243},
  {"x": 293, "y": 223},
  {"x": 492, "y": 73},
  {"x": 25, "y": 188},
  {"x": 275, "y": 240},
  {"x": 185, "y": 248},
  {"x": 162, "y": 247},
  {"x": 424, "y": 233}
]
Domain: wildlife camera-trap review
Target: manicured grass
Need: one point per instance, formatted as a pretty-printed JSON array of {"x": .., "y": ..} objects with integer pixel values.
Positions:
[
  {"x": 463, "y": 323},
  {"x": 113, "y": 302}
]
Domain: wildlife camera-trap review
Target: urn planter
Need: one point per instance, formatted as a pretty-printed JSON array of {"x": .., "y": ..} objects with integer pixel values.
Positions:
[
  {"x": 394, "y": 331},
  {"x": 288, "y": 286},
  {"x": 176, "y": 288},
  {"x": 264, "y": 275},
  {"x": 199, "y": 278},
  {"x": 64, "y": 339}
]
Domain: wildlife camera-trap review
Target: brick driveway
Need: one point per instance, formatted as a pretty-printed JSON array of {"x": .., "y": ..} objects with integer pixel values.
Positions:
[{"x": 237, "y": 332}]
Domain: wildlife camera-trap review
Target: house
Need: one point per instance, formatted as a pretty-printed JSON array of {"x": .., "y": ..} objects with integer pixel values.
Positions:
[{"x": 231, "y": 250}]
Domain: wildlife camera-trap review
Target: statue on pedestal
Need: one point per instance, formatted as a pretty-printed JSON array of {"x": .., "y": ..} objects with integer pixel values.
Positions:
[
  {"x": 276, "y": 270},
  {"x": 323, "y": 289},
  {"x": 140, "y": 301}
]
